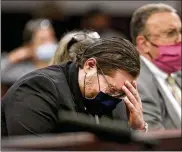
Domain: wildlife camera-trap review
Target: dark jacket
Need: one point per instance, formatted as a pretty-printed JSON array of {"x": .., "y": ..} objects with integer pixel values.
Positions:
[{"x": 31, "y": 105}]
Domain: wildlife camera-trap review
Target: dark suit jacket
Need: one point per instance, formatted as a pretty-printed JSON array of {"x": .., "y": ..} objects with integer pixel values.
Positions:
[
  {"x": 158, "y": 111},
  {"x": 31, "y": 105}
]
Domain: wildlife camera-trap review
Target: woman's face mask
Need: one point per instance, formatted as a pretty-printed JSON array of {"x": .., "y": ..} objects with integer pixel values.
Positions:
[{"x": 46, "y": 51}]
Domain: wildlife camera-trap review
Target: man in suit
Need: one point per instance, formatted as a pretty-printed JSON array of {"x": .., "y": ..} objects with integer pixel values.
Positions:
[{"x": 156, "y": 32}]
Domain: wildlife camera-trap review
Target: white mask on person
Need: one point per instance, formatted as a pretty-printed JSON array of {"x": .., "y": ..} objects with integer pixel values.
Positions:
[{"x": 46, "y": 51}]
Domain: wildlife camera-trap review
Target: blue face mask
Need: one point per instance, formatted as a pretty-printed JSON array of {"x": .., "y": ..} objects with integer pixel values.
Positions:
[
  {"x": 46, "y": 51},
  {"x": 102, "y": 103}
]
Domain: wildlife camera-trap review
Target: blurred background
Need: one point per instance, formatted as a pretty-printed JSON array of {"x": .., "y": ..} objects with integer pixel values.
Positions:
[
  {"x": 66, "y": 16},
  {"x": 108, "y": 18}
]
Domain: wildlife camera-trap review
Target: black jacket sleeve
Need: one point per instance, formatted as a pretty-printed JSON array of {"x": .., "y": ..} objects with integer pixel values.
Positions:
[{"x": 31, "y": 108}]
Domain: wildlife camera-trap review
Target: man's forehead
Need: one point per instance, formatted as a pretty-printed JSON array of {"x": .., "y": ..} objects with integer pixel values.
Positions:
[
  {"x": 163, "y": 21},
  {"x": 121, "y": 75}
]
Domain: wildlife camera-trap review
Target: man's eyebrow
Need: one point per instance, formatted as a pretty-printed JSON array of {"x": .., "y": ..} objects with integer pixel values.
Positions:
[
  {"x": 166, "y": 31},
  {"x": 171, "y": 29}
]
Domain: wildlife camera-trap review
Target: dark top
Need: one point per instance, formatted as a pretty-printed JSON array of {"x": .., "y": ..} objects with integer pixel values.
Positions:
[{"x": 31, "y": 105}]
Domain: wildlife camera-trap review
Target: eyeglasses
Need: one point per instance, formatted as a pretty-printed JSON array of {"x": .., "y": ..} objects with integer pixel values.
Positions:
[
  {"x": 113, "y": 90},
  {"x": 172, "y": 34},
  {"x": 80, "y": 37}
]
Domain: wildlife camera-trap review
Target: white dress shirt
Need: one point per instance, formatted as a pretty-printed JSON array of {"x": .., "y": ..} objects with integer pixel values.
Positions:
[{"x": 161, "y": 78}]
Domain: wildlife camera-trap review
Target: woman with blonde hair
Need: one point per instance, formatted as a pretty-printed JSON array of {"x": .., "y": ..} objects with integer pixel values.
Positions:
[{"x": 70, "y": 44}]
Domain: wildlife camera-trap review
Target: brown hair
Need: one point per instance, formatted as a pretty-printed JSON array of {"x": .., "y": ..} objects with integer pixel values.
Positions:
[{"x": 112, "y": 54}]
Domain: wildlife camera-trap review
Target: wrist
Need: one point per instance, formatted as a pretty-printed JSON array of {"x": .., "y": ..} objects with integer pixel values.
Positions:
[
  {"x": 11, "y": 59},
  {"x": 144, "y": 127}
]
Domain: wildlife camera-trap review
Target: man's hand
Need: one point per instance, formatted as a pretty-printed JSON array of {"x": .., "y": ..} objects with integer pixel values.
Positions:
[{"x": 134, "y": 105}]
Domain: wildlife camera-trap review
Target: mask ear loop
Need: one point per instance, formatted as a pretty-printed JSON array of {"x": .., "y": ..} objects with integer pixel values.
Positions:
[
  {"x": 150, "y": 55},
  {"x": 85, "y": 82},
  {"x": 84, "y": 85},
  {"x": 152, "y": 44},
  {"x": 98, "y": 80}
]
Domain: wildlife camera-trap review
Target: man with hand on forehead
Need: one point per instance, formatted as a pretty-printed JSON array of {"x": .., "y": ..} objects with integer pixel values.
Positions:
[{"x": 102, "y": 82}]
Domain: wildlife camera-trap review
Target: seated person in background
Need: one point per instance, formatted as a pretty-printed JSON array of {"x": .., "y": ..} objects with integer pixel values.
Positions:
[
  {"x": 69, "y": 45},
  {"x": 100, "y": 22},
  {"x": 100, "y": 83},
  {"x": 38, "y": 47},
  {"x": 156, "y": 32}
]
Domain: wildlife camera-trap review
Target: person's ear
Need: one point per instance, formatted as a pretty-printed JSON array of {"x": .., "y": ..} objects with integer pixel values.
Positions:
[
  {"x": 142, "y": 45},
  {"x": 90, "y": 65}
]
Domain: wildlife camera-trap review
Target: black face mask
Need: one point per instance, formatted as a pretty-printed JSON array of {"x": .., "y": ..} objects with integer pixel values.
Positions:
[{"x": 102, "y": 103}]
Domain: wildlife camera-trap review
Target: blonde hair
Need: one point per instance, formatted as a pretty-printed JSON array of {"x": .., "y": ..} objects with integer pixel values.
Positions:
[{"x": 62, "y": 53}]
